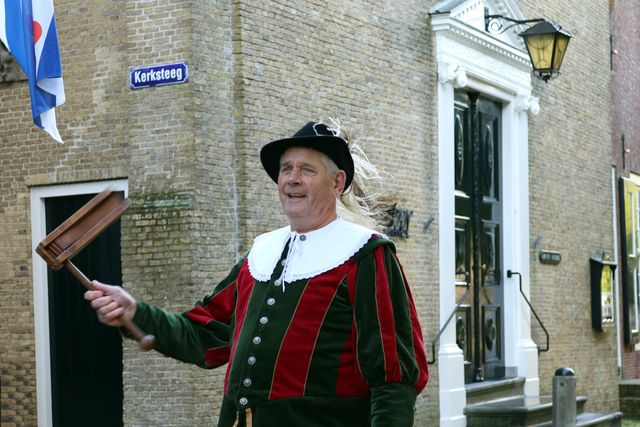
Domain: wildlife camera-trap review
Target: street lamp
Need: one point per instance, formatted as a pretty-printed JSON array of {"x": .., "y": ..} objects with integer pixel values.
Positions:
[{"x": 546, "y": 42}]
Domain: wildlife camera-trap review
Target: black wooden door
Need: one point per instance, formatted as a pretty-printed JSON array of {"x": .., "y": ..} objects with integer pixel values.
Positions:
[
  {"x": 86, "y": 356},
  {"x": 478, "y": 227}
]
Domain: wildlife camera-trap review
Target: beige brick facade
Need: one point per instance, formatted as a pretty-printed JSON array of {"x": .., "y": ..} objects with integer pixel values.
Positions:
[
  {"x": 571, "y": 202},
  {"x": 257, "y": 71}
]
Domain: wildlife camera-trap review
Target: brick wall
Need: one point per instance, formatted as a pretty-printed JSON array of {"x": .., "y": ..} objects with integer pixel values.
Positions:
[
  {"x": 625, "y": 84},
  {"x": 93, "y": 124},
  {"x": 571, "y": 201},
  {"x": 625, "y": 91},
  {"x": 111, "y": 131}
]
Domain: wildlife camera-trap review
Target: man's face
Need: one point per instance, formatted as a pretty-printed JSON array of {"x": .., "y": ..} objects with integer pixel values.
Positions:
[{"x": 307, "y": 190}]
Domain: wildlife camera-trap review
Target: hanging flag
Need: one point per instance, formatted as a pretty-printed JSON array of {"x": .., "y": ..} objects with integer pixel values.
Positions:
[{"x": 28, "y": 31}]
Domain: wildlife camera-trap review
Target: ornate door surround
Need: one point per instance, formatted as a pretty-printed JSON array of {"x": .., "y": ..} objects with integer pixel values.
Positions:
[{"x": 498, "y": 68}]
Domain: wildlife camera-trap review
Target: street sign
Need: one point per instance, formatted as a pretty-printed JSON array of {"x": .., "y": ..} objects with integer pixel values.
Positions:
[{"x": 158, "y": 75}]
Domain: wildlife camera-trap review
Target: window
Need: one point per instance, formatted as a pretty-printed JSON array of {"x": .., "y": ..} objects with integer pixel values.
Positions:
[{"x": 630, "y": 232}]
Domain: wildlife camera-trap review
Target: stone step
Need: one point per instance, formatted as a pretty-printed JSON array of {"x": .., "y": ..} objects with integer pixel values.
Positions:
[
  {"x": 489, "y": 390},
  {"x": 592, "y": 419},
  {"x": 522, "y": 411}
]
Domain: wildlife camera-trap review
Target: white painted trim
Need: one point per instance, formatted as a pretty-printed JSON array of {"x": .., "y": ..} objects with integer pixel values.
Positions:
[
  {"x": 470, "y": 58},
  {"x": 450, "y": 358},
  {"x": 509, "y": 163},
  {"x": 524, "y": 349},
  {"x": 40, "y": 285},
  {"x": 616, "y": 276}
]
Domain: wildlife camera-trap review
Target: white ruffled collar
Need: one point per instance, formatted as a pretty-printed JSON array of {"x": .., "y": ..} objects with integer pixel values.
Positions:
[{"x": 309, "y": 254}]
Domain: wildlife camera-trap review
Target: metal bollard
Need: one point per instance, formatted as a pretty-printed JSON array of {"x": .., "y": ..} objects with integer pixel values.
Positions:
[{"x": 564, "y": 398}]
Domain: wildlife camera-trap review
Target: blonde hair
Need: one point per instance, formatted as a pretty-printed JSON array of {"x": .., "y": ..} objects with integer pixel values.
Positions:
[{"x": 365, "y": 201}]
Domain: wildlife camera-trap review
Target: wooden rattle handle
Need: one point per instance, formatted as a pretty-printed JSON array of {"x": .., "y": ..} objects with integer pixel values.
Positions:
[{"x": 147, "y": 342}]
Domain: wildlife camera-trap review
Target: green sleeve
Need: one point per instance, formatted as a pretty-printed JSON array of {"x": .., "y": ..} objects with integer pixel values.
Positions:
[
  {"x": 200, "y": 336},
  {"x": 392, "y": 405},
  {"x": 177, "y": 336},
  {"x": 390, "y": 347}
]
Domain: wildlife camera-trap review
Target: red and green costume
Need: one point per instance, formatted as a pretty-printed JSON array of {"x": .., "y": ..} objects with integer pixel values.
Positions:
[{"x": 342, "y": 347}]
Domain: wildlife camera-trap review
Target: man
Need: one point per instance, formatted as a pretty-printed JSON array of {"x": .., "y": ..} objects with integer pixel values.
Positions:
[{"x": 316, "y": 322}]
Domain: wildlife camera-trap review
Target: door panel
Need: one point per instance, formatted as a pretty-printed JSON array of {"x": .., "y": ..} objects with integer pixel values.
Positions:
[
  {"x": 491, "y": 338},
  {"x": 463, "y": 273},
  {"x": 478, "y": 235}
]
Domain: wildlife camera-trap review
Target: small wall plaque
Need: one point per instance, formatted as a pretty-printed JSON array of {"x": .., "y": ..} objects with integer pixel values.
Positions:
[
  {"x": 549, "y": 257},
  {"x": 398, "y": 225}
]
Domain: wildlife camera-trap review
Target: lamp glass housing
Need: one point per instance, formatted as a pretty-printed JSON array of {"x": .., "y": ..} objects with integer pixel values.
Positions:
[{"x": 546, "y": 43}]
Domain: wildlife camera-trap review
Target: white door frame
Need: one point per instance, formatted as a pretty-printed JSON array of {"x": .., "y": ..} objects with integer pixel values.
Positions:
[{"x": 40, "y": 284}]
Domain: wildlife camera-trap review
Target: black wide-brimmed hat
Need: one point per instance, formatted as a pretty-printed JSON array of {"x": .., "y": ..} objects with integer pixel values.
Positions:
[{"x": 312, "y": 135}]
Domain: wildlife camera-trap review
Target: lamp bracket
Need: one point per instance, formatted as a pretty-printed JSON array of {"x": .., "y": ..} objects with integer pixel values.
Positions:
[{"x": 494, "y": 23}]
